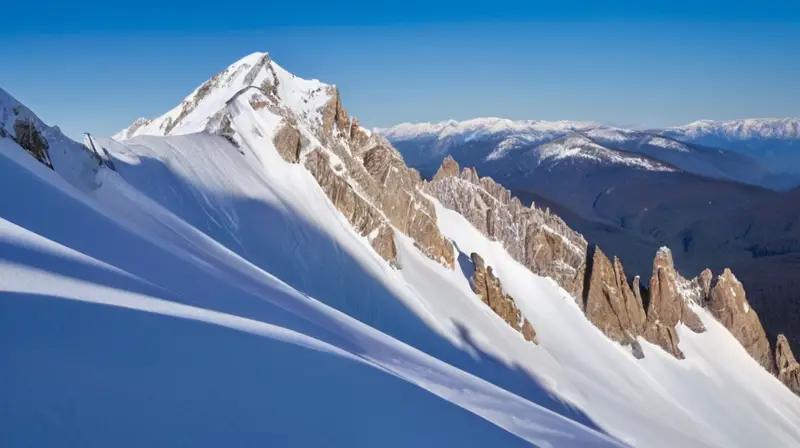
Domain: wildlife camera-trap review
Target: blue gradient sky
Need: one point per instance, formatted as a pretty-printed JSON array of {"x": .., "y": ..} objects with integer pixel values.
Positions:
[{"x": 96, "y": 66}]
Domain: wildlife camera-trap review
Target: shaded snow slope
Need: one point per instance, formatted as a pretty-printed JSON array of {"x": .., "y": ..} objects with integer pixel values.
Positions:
[
  {"x": 208, "y": 292},
  {"x": 434, "y": 309},
  {"x": 124, "y": 325}
]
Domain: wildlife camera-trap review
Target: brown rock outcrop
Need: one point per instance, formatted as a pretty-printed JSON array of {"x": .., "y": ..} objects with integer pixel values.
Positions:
[
  {"x": 383, "y": 243},
  {"x": 449, "y": 168},
  {"x": 668, "y": 305},
  {"x": 788, "y": 370},
  {"x": 663, "y": 336},
  {"x": 540, "y": 241},
  {"x": 610, "y": 304},
  {"x": 364, "y": 218},
  {"x": 400, "y": 200},
  {"x": 288, "y": 141},
  {"x": 667, "y": 300},
  {"x": 381, "y": 176},
  {"x": 728, "y": 303},
  {"x": 490, "y": 290},
  {"x": 358, "y": 137},
  {"x": 528, "y": 332},
  {"x": 333, "y": 114},
  {"x": 32, "y": 141}
]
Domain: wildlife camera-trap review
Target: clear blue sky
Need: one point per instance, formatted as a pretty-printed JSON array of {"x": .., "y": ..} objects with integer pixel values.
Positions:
[{"x": 97, "y": 65}]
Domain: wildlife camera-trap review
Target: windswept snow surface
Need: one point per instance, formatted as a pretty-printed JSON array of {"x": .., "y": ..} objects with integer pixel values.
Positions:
[
  {"x": 205, "y": 294},
  {"x": 122, "y": 324}
]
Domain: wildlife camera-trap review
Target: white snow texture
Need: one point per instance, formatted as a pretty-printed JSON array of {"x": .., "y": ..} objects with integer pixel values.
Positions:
[{"x": 206, "y": 294}]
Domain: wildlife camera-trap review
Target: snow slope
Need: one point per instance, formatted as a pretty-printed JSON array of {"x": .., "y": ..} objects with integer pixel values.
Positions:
[
  {"x": 206, "y": 294},
  {"x": 133, "y": 308}
]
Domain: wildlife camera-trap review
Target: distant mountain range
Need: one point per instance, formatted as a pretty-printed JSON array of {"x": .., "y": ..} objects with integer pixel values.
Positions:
[
  {"x": 755, "y": 151},
  {"x": 721, "y": 194}
]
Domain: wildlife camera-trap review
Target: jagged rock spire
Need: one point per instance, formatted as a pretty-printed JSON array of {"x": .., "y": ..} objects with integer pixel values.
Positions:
[
  {"x": 449, "y": 168},
  {"x": 788, "y": 370},
  {"x": 610, "y": 303},
  {"x": 488, "y": 287},
  {"x": 728, "y": 303}
]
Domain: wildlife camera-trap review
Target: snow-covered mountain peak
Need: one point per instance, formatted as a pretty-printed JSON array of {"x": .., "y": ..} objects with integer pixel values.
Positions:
[
  {"x": 578, "y": 147},
  {"x": 201, "y": 107},
  {"x": 483, "y": 128},
  {"x": 747, "y": 128}
]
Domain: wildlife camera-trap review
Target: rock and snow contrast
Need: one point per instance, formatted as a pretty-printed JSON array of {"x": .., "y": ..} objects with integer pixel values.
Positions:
[{"x": 254, "y": 267}]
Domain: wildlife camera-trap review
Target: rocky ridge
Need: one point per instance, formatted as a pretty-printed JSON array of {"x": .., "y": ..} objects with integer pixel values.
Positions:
[
  {"x": 490, "y": 290},
  {"x": 368, "y": 181},
  {"x": 534, "y": 237},
  {"x": 21, "y": 125},
  {"x": 623, "y": 311}
]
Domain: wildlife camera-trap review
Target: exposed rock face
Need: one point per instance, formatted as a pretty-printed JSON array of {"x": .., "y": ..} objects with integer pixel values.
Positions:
[
  {"x": 667, "y": 295},
  {"x": 532, "y": 236},
  {"x": 490, "y": 290},
  {"x": 449, "y": 168},
  {"x": 668, "y": 305},
  {"x": 288, "y": 141},
  {"x": 610, "y": 303},
  {"x": 665, "y": 337},
  {"x": 333, "y": 114},
  {"x": 528, "y": 332},
  {"x": 383, "y": 243},
  {"x": 364, "y": 218},
  {"x": 728, "y": 303},
  {"x": 372, "y": 186},
  {"x": 549, "y": 248},
  {"x": 358, "y": 137},
  {"x": 788, "y": 370},
  {"x": 401, "y": 202},
  {"x": 29, "y": 138}
]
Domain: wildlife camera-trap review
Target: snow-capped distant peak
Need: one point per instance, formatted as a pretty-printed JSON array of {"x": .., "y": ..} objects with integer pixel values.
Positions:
[
  {"x": 303, "y": 97},
  {"x": 531, "y": 130},
  {"x": 747, "y": 128},
  {"x": 578, "y": 147}
]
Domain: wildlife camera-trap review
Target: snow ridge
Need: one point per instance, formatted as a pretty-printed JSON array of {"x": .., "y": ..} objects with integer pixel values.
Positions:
[
  {"x": 196, "y": 112},
  {"x": 742, "y": 129},
  {"x": 478, "y": 128}
]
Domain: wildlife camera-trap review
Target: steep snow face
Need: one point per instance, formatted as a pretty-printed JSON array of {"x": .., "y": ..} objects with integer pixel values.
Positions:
[
  {"x": 749, "y": 128},
  {"x": 200, "y": 109}
]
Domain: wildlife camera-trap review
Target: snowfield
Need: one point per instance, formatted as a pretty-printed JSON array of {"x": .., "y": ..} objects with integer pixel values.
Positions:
[{"x": 204, "y": 294}]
